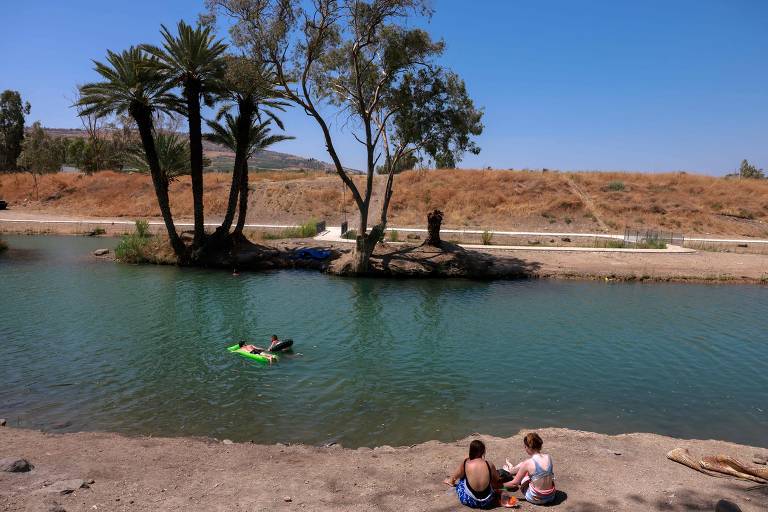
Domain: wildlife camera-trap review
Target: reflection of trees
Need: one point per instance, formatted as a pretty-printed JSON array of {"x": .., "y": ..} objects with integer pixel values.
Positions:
[
  {"x": 428, "y": 313},
  {"x": 406, "y": 389},
  {"x": 368, "y": 324}
]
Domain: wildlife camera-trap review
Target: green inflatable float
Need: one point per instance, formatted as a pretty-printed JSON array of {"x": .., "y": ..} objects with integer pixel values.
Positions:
[{"x": 235, "y": 349}]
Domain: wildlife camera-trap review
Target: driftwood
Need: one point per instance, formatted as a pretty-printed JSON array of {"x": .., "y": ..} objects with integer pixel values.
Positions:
[{"x": 719, "y": 466}]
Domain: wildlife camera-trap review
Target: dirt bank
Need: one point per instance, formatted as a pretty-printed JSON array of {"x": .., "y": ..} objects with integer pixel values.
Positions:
[
  {"x": 594, "y": 472},
  {"x": 701, "y": 266},
  {"x": 400, "y": 260}
]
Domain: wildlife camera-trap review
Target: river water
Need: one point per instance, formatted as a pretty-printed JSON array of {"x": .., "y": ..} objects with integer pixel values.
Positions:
[{"x": 93, "y": 345}]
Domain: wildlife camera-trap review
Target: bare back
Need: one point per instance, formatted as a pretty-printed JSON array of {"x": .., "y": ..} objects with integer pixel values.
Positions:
[{"x": 478, "y": 473}]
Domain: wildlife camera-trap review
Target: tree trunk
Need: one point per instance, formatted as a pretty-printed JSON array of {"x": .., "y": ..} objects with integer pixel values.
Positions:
[
  {"x": 243, "y": 210},
  {"x": 434, "y": 220},
  {"x": 192, "y": 94},
  {"x": 144, "y": 123},
  {"x": 364, "y": 246},
  {"x": 241, "y": 161}
]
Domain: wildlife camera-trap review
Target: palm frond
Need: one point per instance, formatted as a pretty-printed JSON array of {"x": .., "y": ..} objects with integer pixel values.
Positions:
[
  {"x": 131, "y": 79},
  {"x": 172, "y": 153},
  {"x": 193, "y": 54}
]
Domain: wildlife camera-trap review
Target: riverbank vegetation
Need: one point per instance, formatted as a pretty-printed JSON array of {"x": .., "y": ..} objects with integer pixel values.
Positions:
[
  {"x": 142, "y": 247},
  {"x": 360, "y": 61},
  {"x": 305, "y": 230},
  {"x": 189, "y": 70}
]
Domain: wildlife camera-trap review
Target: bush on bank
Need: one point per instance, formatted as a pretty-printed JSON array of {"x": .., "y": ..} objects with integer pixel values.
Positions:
[{"x": 140, "y": 246}]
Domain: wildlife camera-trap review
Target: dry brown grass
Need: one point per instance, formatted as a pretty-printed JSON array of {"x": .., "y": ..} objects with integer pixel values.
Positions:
[
  {"x": 509, "y": 200},
  {"x": 114, "y": 194}
]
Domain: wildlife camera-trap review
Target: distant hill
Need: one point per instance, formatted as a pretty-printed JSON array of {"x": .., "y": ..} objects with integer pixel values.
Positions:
[{"x": 222, "y": 158}]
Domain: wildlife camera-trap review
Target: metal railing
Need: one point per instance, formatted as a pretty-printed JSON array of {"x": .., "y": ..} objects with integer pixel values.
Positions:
[{"x": 645, "y": 236}]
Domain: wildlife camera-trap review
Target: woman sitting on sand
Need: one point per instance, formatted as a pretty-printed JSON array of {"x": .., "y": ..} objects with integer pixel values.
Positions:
[
  {"x": 475, "y": 478},
  {"x": 534, "y": 475}
]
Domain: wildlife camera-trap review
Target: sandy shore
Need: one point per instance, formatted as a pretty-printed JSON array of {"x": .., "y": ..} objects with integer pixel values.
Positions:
[{"x": 595, "y": 472}]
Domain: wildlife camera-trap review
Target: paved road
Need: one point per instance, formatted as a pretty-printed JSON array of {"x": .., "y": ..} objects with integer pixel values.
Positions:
[{"x": 333, "y": 234}]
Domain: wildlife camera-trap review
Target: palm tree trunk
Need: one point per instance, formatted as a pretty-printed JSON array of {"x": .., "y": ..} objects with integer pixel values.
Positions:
[
  {"x": 244, "y": 121},
  {"x": 243, "y": 199},
  {"x": 192, "y": 94},
  {"x": 144, "y": 122}
]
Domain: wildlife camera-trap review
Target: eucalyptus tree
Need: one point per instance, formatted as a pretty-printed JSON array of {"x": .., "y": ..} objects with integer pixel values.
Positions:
[
  {"x": 193, "y": 60},
  {"x": 12, "y": 112},
  {"x": 359, "y": 59},
  {"x": 253, "y": 138},
  {"x": 247, "y": 87},
  {"x": 132, "y": 84}
]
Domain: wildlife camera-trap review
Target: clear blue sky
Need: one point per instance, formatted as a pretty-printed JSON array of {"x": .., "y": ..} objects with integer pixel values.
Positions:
[{"x": 608, "y": 85}]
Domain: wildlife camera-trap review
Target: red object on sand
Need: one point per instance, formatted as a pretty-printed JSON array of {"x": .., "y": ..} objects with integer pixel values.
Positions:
[{"x": 508, "y": 501}]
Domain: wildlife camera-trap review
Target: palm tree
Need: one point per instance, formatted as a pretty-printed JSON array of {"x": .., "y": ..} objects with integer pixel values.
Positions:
[
  {"x": 248, "y": 140},
  {"x": 172, "y": 154},
  {"x": 250, "y": 88},
  {"x": 193, "y": 60},
  {"x": 132, "y": 84}
]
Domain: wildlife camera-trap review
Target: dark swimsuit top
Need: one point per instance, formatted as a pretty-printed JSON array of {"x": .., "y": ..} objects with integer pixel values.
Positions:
[{"x": 485, "y": 492}]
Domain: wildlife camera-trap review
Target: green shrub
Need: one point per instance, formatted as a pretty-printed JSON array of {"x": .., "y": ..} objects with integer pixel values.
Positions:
[
  {"x": 487, "y": 237},
  {"x": 652, "y": 243},
  {"x": 616, "y": 186},
  {"x": 142, "y": 228},
  {"x": 350, "y": 235},
  {"x": 610, "y": 244},
  {"x": 394, "y": 236},
  {"x": 131, "y": 248},
  {"x": 306, "y": 230}
]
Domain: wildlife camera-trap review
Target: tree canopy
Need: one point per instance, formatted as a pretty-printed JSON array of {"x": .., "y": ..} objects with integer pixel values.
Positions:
[
  {"x": 747, "y": 170},
  {"x": 362, "y": 62},
  {"x": 42, "y": 153},
  {"x": 12, "y": 112}
]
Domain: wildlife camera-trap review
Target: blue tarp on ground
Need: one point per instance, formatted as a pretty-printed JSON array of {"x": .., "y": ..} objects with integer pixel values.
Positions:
[{"x": 309, "y": 253}]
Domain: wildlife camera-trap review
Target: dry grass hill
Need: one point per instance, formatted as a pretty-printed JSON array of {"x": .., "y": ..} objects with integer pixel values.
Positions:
[{"x": 513, "y": 200}]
